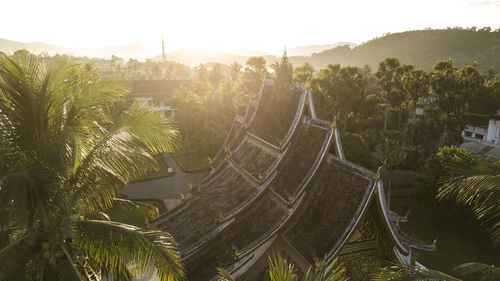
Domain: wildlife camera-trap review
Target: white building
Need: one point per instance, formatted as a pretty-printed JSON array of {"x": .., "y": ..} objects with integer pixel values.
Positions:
[
  {"x": 493, "y": 133},
  {"x": 483, "y": 122},
  {"x": 156, "y": 93},
  {"x": 482, "y": 132}
]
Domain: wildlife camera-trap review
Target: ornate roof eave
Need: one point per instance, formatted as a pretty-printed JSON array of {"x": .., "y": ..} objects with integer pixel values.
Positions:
[{"x": 404, "y": 245}]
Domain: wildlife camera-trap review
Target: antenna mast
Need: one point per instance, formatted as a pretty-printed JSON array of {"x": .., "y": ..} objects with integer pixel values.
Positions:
[{"x": 163, "y": 54}]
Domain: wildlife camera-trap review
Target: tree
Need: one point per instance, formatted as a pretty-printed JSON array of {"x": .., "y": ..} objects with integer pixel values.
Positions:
[
  {"x": 356, "y": 150},
  {"x": 66, "y": 152},
  {"x": 401, "y": 98},
  {"x": 253, "y": 75},
  {"x": 368, "y": 84},
  {"x": 324, "y": 91},
  {"x": 235, "y": 71},
  {"x": 258, "y": 65},
  {"x": 281, "y": 270},
  {"x": 116, "y": 62},
  {"x": 410, "y": 273},
  {"x": 475, "y": 182},
  {"x": 347, "y": 89},
  {"x": 454, "y": 89},
  {"x": 416, "y": 87},
  {"x": 388, "y": 76},
  {"x": 304, "y": 73},
  {"x": 215, "y": 76}
]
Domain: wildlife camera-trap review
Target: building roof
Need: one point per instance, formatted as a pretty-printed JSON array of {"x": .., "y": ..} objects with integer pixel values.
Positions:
[
  {"x": 280, "y": 189},
  {"x": 155, "y": 87},
  {"x": 483, "y": 107}
]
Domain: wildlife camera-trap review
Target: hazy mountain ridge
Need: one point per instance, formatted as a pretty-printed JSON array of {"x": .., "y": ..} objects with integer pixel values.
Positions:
[
  {"x": 422, "y": 48},
  {"x": 139, "y": 49},
  {"x": 311, "y": 49},
  {"x": 10, "y": 46}
]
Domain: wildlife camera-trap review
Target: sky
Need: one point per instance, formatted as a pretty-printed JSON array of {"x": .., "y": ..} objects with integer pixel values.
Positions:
[{"x": 230, "y": 25}]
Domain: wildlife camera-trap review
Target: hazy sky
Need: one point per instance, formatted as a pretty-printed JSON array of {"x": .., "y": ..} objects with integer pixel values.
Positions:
[{"x": 232, "y": 24}]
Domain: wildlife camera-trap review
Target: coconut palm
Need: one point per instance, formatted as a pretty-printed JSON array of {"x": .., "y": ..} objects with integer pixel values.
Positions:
[
  {"x": 475, "y": 182},
  {"x": 388, "y": 75},
  {"x": 401, "y": 272},
  {"x": 66, "y": 150},
  {"x": 478, "y": 271},
  {"x": 281, "y": 270}
]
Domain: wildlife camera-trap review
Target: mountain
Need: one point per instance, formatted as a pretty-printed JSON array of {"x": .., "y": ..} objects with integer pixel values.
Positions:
[
  {"x": 9, "y": 46},
  {"x": 195, "y": 57},
  {"x": 421, "y": 48},
  {"x": 311, "y": 49},
  {"x": 138, "y": 49}
]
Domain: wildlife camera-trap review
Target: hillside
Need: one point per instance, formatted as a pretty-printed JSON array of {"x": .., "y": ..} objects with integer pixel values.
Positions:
[
  {"x": 311, "y": 49},
  {"x": 139, "y": 49},
  {"x": 10, "y": 46},
  {"x": 422, "y": 48}
]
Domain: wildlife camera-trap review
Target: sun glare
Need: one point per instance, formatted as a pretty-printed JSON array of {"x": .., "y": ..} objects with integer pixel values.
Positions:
[{"x": 229, "y": 26}]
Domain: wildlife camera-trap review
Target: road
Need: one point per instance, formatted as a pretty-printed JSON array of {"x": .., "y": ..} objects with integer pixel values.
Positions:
[{"x": 168, "y": 189}]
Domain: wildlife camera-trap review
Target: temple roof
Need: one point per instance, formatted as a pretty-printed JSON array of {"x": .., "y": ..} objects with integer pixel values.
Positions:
[
  {"x": 155, "y": 87},
  {"x": 280, "y": 181}
]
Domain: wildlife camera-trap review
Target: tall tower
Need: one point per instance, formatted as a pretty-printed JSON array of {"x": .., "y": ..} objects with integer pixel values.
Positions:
[{"x": 163, "y": 54}]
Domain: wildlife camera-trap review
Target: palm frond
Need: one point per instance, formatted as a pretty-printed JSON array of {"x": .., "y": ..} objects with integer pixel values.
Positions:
[
  {"x": 401, "y": 272},
  {"x": 148, "y": 210},
  {"x": 15, "y": 259},
  {"x": 479, "y": 271},
  {"x": 224, "y": 275},
  {"x": 114, "y": 245},
  {"x": 67, "y": 148},
  {"x": 68, "y": 270},
  {"x": 329, "y": 272},
  {"x": 280, "y": 269},
  {"x": 125, "y": 151},
  {"x": 476, "y": 183}
]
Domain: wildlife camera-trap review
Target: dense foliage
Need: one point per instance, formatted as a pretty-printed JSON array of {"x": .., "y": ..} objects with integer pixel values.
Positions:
[{"x": 67, "y": 150}]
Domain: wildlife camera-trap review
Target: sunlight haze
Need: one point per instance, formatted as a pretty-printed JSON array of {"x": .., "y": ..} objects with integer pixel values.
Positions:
[{"x": 232, "y": 25}]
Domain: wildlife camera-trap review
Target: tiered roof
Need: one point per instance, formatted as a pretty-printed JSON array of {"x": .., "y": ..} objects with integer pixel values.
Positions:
[{"x": 275, "y": 185}]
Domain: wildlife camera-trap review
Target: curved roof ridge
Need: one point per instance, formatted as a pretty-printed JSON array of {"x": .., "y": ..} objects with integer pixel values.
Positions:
[
  {"x": 265, "y": 184},
  {"x": 292, "y": 205},
  {"x": 247, "y": 120}
]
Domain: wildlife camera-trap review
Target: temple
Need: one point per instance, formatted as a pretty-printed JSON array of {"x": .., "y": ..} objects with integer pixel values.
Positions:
[{"x": 281, "y": 183}]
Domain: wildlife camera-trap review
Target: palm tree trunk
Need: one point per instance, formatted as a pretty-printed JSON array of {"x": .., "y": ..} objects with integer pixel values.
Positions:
[
  {"x": 413, "y": 123},
  {"x": 359, "y": 116},
  {"x": 386, "y": 115},
  {"x": 399, "y": 117},
  {"x": 345, "y": 120},
  {"x": 186, "y": 137}
]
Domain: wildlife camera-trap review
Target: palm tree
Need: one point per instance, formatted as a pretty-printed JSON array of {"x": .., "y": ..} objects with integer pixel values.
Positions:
[
  {"x": 67, "y": 150},
  {"x": 388, "y": 74},
  {"x": 402, "y": 272},
  {"x": 416, "y": 86},
  {"x": 281, "y": 270},
  {"x": 475, "y": 182}
]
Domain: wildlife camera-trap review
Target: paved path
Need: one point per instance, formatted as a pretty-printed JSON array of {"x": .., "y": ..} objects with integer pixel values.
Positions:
[
  {"x": 171, "y": 161},
  {"x": 168, "y": 189}
]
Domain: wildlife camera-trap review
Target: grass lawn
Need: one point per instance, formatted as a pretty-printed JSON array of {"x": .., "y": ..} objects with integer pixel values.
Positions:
[
  {"x": 461, "y": 238},
  {"x": 134, "y": 217},
  {"x": 192, "y": 162},
  {"x": 163, "y": 172}
]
